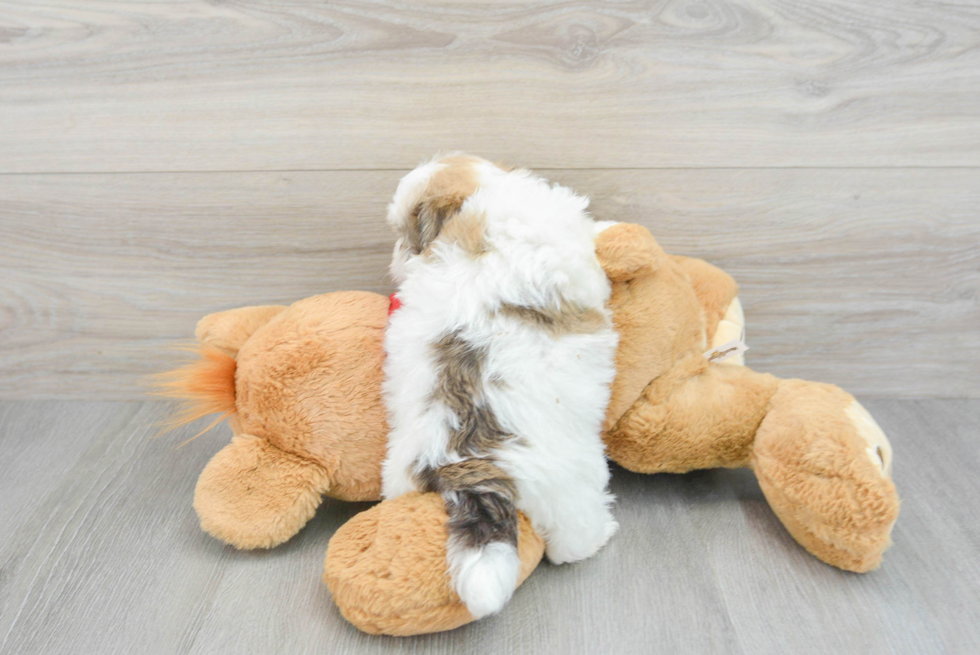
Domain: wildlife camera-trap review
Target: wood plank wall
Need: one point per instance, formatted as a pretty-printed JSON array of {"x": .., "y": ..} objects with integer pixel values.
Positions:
[{"x": 162, "y": 160}]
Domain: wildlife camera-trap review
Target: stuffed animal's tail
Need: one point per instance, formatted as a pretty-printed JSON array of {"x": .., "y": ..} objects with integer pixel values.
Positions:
[
  {"x": 482, "y": 551},
  {"x": 204, "y": 386}
]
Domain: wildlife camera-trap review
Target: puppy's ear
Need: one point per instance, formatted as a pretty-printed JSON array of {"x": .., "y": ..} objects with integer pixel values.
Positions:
[
  {"x": 429, "y": 196},
  {"x": 627, "y": 251},
  {"x": 444, "y": 196},
  {"x": 428, "y": 217}
]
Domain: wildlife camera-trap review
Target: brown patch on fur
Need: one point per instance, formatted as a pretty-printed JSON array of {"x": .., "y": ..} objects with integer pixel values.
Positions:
[
  {"x": 479, "y": 495},
  {"x": 448, "y": 189},
  {"x": 467, "y": 230},
  {"x": 205, "y": 386},
  {"x": 566, "y": 319},
  {"x": 460, "y": 388},
  {"x": 498, "y": 382},
  {"x": 473, "y": 473},
  {"x": 479, "y": 500}
]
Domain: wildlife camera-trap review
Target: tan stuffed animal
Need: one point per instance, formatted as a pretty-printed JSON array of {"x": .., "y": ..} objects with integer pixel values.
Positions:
[{"x": 302, "y": 387}]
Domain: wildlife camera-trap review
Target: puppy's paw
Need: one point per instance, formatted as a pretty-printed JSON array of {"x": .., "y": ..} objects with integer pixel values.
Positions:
[{"x": 576, "y": 546}]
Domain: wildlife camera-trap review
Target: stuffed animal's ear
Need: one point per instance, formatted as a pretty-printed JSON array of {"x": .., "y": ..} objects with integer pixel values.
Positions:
[
  {"x": 626, "y": 251},
  {"x": 229, "y": 330},
  {"x": 718, "y": 294}
]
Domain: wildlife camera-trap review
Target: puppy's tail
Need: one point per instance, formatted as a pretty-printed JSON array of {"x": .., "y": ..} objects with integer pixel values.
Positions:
[{"x": 482, "y": 550}]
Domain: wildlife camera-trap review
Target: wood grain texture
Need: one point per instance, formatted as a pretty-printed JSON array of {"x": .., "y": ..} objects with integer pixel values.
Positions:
[
  {"x": 825, "y": 152},
  {"x": 263, "y": 85},
  {"x": 101, "y": 552},
  {"x": 866, "y": 278}
]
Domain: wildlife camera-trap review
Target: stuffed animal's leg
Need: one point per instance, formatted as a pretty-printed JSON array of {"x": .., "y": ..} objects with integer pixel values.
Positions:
[
  {"x": 387, "y": 570},
  {"x": 228, "y": 330},
  {"x": 254, "y": 495},
  {"x": 825, "y": 468},
  {"x": 695, "y": 416},
  {"x": 822, "y": 462}
]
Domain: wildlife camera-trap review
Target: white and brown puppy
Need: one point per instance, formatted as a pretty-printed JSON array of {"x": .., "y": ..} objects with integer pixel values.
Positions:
[{"x": 498, "y": 366}]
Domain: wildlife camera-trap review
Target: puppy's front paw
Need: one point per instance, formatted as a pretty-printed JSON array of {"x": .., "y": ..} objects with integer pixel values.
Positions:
[{"x": 576, "y": 546}]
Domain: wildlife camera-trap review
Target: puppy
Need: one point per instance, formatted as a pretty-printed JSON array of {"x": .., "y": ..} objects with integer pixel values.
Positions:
[{"x": 498, "y": 366}]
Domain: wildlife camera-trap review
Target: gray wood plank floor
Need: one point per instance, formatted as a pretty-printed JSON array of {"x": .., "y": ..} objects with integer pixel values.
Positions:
[{"x": 100, "y": 552}]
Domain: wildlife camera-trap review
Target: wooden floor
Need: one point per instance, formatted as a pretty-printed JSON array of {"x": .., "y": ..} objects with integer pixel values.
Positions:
[{"x": 100, "y": 552}]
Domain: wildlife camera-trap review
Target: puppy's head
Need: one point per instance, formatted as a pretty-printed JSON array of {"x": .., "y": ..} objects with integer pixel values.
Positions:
[{"x": 426, "y": 199}]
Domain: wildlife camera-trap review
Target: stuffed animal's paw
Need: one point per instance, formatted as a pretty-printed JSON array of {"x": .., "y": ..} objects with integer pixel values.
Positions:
[
  {"x": 824, "y": 466},
  {"x": 387, "y": 570},
  {"x": 254, "y": 495}
]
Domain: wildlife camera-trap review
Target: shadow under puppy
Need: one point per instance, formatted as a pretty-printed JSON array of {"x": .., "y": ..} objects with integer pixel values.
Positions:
[{"x": 498, "y": 367}]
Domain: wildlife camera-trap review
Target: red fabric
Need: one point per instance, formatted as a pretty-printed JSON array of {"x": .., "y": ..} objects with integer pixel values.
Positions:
[{"x": 395, "y": 303}]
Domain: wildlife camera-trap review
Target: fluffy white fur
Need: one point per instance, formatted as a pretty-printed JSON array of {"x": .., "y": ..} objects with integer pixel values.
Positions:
[
  {"x": 554, "y": 390},
  {"x": 484, "y": 578}
]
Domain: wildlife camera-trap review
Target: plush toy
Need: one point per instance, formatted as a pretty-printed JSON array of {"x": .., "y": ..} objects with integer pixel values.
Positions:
[{"x": 301, "y": 387}]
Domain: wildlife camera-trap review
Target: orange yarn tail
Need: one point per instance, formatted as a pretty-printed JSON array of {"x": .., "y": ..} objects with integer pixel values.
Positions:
[{"x": 204, "y": 386}]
